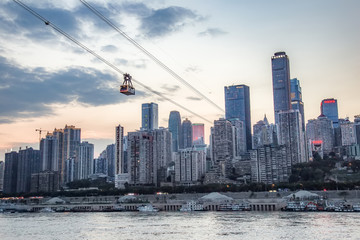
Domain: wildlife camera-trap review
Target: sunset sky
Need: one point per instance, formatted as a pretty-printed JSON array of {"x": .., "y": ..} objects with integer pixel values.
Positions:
[{"x": 46, "y": 81}]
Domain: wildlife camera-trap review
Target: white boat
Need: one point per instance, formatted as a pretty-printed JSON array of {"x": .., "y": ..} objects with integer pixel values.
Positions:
[
  {"x": 192, "y": 206},
  {"x": 147, "y": 208},
  {"x": 46, "y": 210},
  {"x": 356, "y": 208}
]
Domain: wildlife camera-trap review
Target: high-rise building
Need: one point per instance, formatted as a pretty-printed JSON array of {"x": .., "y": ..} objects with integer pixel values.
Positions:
[
  {"x": 45, "y": 181},
  {"x": 292, "y": 136},
  {"x": 110, "y": 158},
  {"x": 320, "y": 132},
  {"x": 189, "y": 166},
  {"x": 2, "y": 169},
  {"x": 237, "y": 106},
  {"x": 264, "y": 133},
  {"x": 239, "y": 137},
  {"x": 175, "y": 129},
  {"x": 281, "y": 83},
  {"x": 329, "y": 108},
  {"x": 357, "y": 128},
  {"x": 59, "y": 135},
  {"x": 222, "y": 148},
  {"x": 186, "y": 134},
  {"x": 269, "y": 164},
  {"x": 72, "y": 139},
  {"x": 296, "y": 98},
  {"x": 28, "y": 163},
  {"x": 150, "y": 116},
  {"x": 10, "y": 172},
  {"x": 49, "y": 153},
  {"x": 149, "y": 153},
  {"x": 85, "y": 156},
  {"x": 119, "y": 149},
  {"x": 348, "y": 132},
  {"x": 198, "y": 133}
]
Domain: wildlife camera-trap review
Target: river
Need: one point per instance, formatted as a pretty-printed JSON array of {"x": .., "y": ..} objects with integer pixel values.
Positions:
[{"x": 180, "y": 225}]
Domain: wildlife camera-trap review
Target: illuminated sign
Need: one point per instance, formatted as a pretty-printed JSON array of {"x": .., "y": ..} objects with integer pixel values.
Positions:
[
  {"x": 317, "y": 142},
  {"x": 329, "y": 101}
]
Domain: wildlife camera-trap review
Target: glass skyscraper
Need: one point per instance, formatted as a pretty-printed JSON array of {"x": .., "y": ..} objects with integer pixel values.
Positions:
[
  {"x": 281, "y": 83},
  {"x": 149, "y": 120},
  {"x": 186, "y": 134},
  {"x": 237, "y": 106},
  {"x": 175, "y": 129},
  {"x": 296, "y": 99},
  {"x": 329, "y": 108}
]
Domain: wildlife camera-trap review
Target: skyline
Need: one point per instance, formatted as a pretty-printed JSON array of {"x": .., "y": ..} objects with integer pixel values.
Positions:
[{"x": 38, "y": 93}]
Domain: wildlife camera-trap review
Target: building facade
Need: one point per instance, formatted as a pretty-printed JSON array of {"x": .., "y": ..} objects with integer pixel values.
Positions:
[
  {"x": 237, "y": 106},
  {"x": 189, "y": 166},
  {"x": 85, "y": 156},
  {"x": 119, "y": 150},
  {"x": 296, "y": 98},
  {"x": 150, "y": 117},
  {"x": 10, "y": 172},
  {"x": 186, "y": 134},
  {"x": 281, "y": 83},
  {"x": 198, "y": 133},
  {"x": 175, "y": 129},
  {"x": 329, "y": 108},
  {"x": 28, "y": 163},
  {"x": 292, "y": 136},
  {"x": 320, "y": 131}
]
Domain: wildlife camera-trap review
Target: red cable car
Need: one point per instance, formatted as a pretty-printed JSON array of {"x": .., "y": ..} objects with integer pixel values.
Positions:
[{"x": 127, "y": 87}]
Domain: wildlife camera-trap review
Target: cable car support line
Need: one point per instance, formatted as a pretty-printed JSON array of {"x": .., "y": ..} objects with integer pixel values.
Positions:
[
  {"x": 59, "y": 30},
  {"x": 155, "y": 59}
]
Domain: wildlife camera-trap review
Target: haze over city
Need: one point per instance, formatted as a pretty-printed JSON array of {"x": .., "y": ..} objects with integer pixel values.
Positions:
[{"x": 47, "y": 81}]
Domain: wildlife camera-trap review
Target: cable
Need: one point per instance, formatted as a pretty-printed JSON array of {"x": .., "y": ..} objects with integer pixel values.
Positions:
[
  {"x": 155, "y": 59},
  {"x": 48, "y": 23}
]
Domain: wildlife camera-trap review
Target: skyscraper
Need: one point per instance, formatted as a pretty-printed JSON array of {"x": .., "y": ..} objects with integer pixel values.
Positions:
[
  {"x": 10, "y": 173},
  {"x": 175, "y": 129},
  {"x": 110, "y": 158},
  {"x": 28, "y": 163},
  {"x": 198, "y": 133},
  {"x": 237, "y": 106},
  {"x": 85, "y": 156},
  {"x": 2, "y": 168},
  {"x": 329, "y": 108},
  {"x": 281, "y": 83},
  {"x": 119, "y": 149},
  {"x": 320, "y": 131},
  {"x": 49, "y": 153},
  {"x": 149, "y": 116},
  {"x": 186, "y": 134},
  {"x": 292, "y": 136},
  {"x": 296, "y": 98},
  {"x": 222, "y": 148}
]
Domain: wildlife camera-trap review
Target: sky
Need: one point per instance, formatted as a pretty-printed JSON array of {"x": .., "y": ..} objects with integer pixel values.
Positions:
[{"x": 47, "y": 82}]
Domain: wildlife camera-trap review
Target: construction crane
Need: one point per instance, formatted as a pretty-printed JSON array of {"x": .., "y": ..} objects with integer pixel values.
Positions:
[{"x": 40, "y": 130}]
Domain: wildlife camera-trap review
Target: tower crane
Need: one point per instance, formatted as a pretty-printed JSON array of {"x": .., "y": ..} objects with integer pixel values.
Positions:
[{"x": 40, "y": 130}]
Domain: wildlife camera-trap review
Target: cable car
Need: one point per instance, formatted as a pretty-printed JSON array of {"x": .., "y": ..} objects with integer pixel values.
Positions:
[{"x": 127, "y": 87}]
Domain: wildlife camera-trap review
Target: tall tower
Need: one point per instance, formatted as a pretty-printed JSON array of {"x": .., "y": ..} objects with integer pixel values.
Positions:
[
  {"x": 119, "y": 149},
  {"x": 198, "y": 133},
  {"x": 281, "y": 83},
  {"x": 85, "y": 156},
  {"x": 28, "y": 163},
  {"x": 175, "y": 129},
  {"x": 329, "y": 108},
  {"x": 186, "y": 134},
  {"x": 10, "y": 172},
  {"x": 237, "y": 106},
  {"x": 296, "y": 98},
  {"x": 150, "y": 118}
]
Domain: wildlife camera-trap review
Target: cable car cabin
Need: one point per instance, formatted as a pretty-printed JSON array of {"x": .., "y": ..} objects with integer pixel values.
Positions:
[
  {"x": 127, "y": 87},
  {"x": 127, "y": 90}
]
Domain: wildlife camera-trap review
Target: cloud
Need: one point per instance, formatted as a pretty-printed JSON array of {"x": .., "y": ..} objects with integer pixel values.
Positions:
[
  {"x": 163, "y": 21},
  {"x": 109, "y": 48},
  {"x": 171, "y": 89},
  {"x": 139, "y": 63},
  {"x": 31, "y": 92},
  {"x": 212, "y": 32},
  {"x": 194, "y": 98},
  {"x": 194, "y": 69}
]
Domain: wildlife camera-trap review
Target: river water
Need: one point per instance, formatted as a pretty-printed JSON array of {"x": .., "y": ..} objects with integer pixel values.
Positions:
[{"x": 180, "y": 225}]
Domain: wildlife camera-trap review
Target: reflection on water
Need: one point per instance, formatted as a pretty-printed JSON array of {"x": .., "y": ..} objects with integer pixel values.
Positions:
[{"x": 176, "y": 225}]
